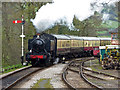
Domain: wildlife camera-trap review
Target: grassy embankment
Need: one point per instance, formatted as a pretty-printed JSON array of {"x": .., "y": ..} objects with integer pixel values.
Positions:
[{"x": 11, "y": 68}]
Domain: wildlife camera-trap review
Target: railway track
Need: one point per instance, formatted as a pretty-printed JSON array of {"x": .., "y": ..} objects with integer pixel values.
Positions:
[
  {"x": 16, "y": 77},
  {"x": 103, "y": 80},
  {"x": 96, "y": 79},
  {"x": 74, "y": 78}
]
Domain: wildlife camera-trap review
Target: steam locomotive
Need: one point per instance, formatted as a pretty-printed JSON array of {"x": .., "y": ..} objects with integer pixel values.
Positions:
[{"x": 46, "y": 49}]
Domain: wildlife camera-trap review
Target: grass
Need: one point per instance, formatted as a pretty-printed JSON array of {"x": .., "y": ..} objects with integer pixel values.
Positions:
[
  {"x": 11, "y": 68},
  {"x": 96, "y": 66},
  {"x": 101, "y": 32},
  {"x": 43, "y": 83},
  {"x": 110, "y": 24}
]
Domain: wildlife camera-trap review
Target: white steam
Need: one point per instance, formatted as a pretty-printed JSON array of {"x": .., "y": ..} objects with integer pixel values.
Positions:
[
  {"x": 65, "y": 10},
  {"x": 105, "y": 17}
]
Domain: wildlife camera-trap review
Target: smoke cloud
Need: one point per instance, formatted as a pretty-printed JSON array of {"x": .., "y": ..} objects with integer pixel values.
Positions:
[{"x": 64, "y": 10}]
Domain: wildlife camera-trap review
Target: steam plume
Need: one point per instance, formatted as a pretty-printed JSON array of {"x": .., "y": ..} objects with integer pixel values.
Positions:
[{"x": 65, "y": 10}]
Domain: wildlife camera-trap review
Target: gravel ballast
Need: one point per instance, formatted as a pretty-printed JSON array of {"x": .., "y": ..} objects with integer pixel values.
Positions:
[{"x": 53, "y": 73}]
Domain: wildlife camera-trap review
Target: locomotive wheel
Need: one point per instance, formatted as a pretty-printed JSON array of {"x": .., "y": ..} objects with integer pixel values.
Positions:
[
  {"x": 33, "y": 63},
  {"x": 47, "y": 62}
]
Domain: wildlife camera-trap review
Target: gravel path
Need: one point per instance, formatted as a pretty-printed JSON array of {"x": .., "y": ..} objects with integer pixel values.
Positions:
[
  {"x": 77, "y": 81},
  {"x": 53, "y": 73}
]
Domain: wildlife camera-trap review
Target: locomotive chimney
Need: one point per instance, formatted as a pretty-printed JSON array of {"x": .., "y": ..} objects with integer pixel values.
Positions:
[{"x": 38, "y": 35}]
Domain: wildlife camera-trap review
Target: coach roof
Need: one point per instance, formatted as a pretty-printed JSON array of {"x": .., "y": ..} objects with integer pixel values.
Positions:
[
  {"x": 61, "y": 36},
  {"x": 75, "y": 37},
  {"x": 90, "y": 38},
  {"x": 105, "y": 38}
]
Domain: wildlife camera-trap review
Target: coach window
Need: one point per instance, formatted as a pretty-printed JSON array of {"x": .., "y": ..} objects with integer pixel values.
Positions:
[
  {"x": 68, "y": 44},
  {"x": 86, "y": 43},
  {"x": 96, "y": 43},
  {"x": 91, "y": 43},
  {"x": 77, "y": 43},
  {"x": 106, "y": 42},
  {"x": 74, "y": 43},
  {"x": 63, "y": 44},
  {"x": 58, "y": 44},
  {"x": 71, "y": 43},
  {"x": 81, "y": 43},
  {"x": 103, "y": 43}
]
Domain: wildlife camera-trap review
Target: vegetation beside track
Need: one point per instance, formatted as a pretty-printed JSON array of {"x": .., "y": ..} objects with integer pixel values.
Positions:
[
  {"x": 11, "y": 68},
  {"x": 96, "y": 66}
]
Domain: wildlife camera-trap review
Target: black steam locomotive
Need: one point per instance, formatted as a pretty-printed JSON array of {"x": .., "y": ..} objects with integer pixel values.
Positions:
[
  {"x": 46, "y": 49},
  {"x": 41, "y": 49}
]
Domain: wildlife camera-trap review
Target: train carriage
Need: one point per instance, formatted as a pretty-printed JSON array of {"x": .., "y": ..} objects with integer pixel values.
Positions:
[
  {"x": 76, "y": 46},
  {"x": 63, "y": 45},
  {"x": 90, "y": 43},
  {"x": 105, "y": 41}
]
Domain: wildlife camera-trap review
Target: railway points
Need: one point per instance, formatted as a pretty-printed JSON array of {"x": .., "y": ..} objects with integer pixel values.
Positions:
[
  {"x": 98, "y": 79},
  {"x": 77, "y": 74}
]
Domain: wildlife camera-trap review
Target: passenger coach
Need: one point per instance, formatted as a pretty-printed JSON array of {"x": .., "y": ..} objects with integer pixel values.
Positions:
[
  {"x": 90, "y": 43},
  {"x": 63, "y": 44}
]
